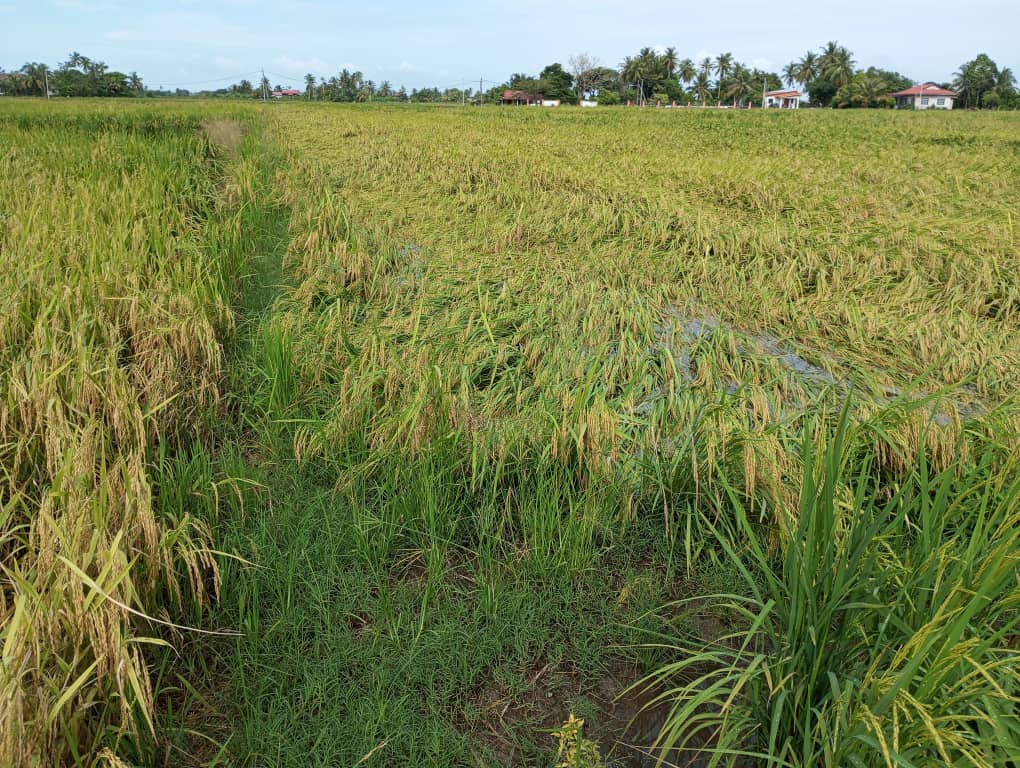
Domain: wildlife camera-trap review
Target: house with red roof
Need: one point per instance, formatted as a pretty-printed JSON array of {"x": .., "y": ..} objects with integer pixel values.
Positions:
[
  {"x": 521, "y": 98},
  {"x": 782, "y": 100},
  {"x": 286, "y": 92},
  {"x": 924, "y": 96}
]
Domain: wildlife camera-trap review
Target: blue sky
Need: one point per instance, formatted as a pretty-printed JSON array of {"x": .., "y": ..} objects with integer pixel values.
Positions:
[{"x": 194, "y": 43}]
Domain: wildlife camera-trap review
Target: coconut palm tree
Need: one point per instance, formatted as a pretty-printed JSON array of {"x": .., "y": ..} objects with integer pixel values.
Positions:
[
  {"x": 135, "y": 83},
  {"x": 742, "y": 85},
  {"x": 34, "y": 78},
  {"x": 77, "y": 61},
  {"x": 838, "y": 66},
  {"x": 686, "y": 71},
  {"x": 310, "y": 86},
  {"x": 865, "y": 90},
  {"x": 702, "y": 87},
  {"x": 790, "y": 73},
  {"x": 669, "y": 61},
  {"x": 807, "y": 68},
  {"x": 973, "y": 79},
  {"x": 16, "y": 84},
  {"x": 632, "y": 70},
  {"x": 723, "y": 66},
  {"x": 1005, "y": 83},
  {"x": 628, "y": 67},
  {"x": 644, "y": 70},
  {"x": 829, "y": 50},
  {"x": 706, "y": 65}
]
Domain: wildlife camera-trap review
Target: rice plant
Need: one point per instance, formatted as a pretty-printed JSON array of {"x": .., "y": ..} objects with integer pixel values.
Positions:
[
  {"x": 114, "y": 309},
  {"x": 882, "y": 634}
]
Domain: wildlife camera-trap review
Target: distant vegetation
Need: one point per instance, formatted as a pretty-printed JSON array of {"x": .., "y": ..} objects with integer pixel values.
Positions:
[
  {"x": 830, "y": 76},
  {"x": 982, "y": 83},
  {"x": 78, "y": 76}
]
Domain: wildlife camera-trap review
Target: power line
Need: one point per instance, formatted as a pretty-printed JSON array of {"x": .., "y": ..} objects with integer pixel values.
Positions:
[
  {"x": 230, "y": 78},
  {"x": 285, "y": 77}
]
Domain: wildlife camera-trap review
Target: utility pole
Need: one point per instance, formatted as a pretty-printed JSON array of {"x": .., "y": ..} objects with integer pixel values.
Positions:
[
  {"x": 481, "y": 93},
  {"x": 46, "y": 79},
  {"x": 265, "y": 95}
]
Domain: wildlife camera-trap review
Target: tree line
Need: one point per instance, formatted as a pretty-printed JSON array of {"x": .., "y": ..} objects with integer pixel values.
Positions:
[
  {"x": 830, "y": 76},
  {"x": 832, "y": 79},
  {"x": 78, "y": 76}
]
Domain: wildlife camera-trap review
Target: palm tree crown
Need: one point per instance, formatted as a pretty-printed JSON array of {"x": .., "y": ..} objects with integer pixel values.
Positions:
[
  {"x": 723, "y": 66},
  {"x": 669, "y": 61},
  {"x": 686, "y": 70},
  {"x": 807, "y": 68}
]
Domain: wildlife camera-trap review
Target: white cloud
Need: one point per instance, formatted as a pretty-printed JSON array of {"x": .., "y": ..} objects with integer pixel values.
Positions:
[{"x": 187, "y": 28}]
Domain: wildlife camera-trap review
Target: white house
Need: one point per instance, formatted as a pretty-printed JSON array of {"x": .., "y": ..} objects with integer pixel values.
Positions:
[
  {"x": 924, "y": 96},
  {"x": 550, "y": 102},
  {"x": 782, "y": 100}
]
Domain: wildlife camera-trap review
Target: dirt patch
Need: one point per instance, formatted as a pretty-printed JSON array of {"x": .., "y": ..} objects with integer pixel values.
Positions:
[
  {"x": 630, "y": 720},
  {"x": 506, "y": 719},
  {"x": 622, "y": 716}
]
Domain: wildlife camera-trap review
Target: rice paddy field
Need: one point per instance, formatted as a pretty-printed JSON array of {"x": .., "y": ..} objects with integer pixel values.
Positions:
[{"x": 391, "y": 436}]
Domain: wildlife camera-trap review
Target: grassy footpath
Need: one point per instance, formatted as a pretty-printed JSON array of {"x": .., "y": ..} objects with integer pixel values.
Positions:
[
  {"x": 395, "y": 607},
  {"x": 416, "y": 610}
]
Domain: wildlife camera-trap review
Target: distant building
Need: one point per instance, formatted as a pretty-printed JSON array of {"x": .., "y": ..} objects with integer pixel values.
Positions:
[
  {"x": 924, "y": 96},
  {"x": 550, "y": 102},
  {"x": 782, "y": 100},
  {"x": 521, "y": 98},
  {"x": 286, "y": 92},
  {"x": 588, "y": 103}
]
